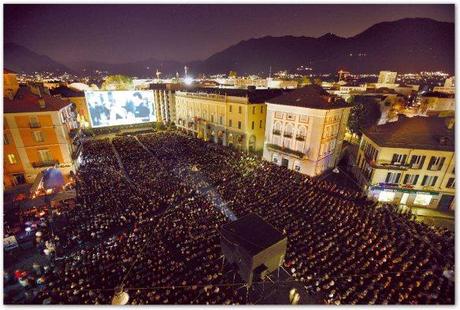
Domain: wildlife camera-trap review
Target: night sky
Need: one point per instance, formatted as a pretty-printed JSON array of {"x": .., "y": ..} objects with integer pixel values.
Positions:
[{"x": 121, "y": 33}]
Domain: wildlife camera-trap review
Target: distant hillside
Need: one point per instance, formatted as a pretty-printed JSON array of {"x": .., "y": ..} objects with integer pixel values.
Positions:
[
  {"x": 21, "y": 59},
  {"x": 406, "y": 45}
]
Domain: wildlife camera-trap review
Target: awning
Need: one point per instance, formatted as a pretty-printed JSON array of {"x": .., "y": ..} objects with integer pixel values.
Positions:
[{"x": 43, "y": 200}]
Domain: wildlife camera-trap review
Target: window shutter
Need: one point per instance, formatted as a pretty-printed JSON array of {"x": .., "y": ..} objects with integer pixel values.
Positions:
[
  {"x": 398, "y": 177},
  {"x": 406, "y": 178},
  {"x": 422, "y": 161},
  {"x": 442, "y": 163},
  {"x": 432, "y": 159},
  {"x": 435, "y": 179},
  {"x": 415, "y": 180},
  {"x": 388, "y": 177},
  {"x": 424, "y": 180}
]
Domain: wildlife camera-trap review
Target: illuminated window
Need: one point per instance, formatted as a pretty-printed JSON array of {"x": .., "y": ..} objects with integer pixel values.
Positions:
[
  {"x": 45, "y": 155},
  {"x": 12, "y": 159},
  {"x": 422, "y": 199},
  {"x": 385, "y": 196},
  {"x": 33, "y": 122}
]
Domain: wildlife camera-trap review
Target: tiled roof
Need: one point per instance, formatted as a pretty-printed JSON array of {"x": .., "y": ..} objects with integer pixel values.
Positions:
[
  {"x": 26, "y": 101},
  {"x": 426, "y": 133},
  {"x": 311, "y": 96},
  {"x": 67, "y": 92},
  {"x": 254, "y": 95}
]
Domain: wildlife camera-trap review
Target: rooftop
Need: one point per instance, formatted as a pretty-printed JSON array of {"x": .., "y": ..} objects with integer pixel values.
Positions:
[
  {"x": 8, "y": 71},
  {"x": 254, "y": 95},
  {"x": 311, "y": 96},
  {"x": 437, "y": 94},
  {"x": 252, "y": 233},
  {"x": 426, "y": 133},
  {"x": 26, "y": 101},
  {"x": 67, "y": 92}
]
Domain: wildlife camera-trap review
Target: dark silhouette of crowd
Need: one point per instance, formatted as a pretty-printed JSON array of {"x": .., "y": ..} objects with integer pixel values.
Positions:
[{"x": 152, "y": 224}]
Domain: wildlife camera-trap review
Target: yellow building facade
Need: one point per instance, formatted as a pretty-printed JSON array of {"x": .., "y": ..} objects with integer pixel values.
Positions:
[
  {"x": 410, "y": 162},
  {"x": 37, "y": 135},
  {"x": 233, "y": 119}
]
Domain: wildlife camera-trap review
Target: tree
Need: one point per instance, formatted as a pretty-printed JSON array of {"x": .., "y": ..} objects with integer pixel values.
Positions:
[
  {"x": 364, "y": 114},
  {"x": 304, "y": 80},
  {"x": 317, "y": 81},
  {"x": 118, "y": 82}
]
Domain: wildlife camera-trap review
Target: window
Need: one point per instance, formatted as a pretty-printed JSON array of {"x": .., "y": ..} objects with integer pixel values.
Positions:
[
  {"x": 38, "y": 136},
  {"x": 385, "y": 196},
  {"x": 422, "y": 199},
  {"x": 261, "y": 109},
  {"x": 230, "y": 123},
  {"x": 239, "y": 125},
  {"x": 220, "y": 120},
  {"x": 429, "y": 180},
  {"x": 33, "y": 122},
  {"x": 436, "y": 163},
  {"x": 417, "y": 161},
  {"x": 212, "y": 118},
  {"x": 230, "y": 109},
  {"x": 6, "y": 141},
  {"x": 240, "y": 110},
  {"x": 253, "y": 110},
  {"x": 290, "y": 116},
  {"x": 398, "y": 159},
  {"x": 260, "y": 124},
  {"x": 393, "y": 177},
  {"x": 252, "y": 125},
  {"x": 12, "y": 159},
  {"x": 278, "y": 115},
  {"x": 45, "y": 155},
  {"x": 410, "y": 179},
  {"x": 451, "y": 183}
]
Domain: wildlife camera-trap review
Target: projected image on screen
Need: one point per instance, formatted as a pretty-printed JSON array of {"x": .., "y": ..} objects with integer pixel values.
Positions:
[{"x": 111, "y": 108}]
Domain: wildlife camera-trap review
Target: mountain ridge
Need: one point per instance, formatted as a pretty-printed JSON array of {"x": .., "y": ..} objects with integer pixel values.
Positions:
[{"x": 405, "y": 45}]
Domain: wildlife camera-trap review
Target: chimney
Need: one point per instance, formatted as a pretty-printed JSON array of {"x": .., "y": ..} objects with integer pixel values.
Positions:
[{"x": 42, "y": 103}]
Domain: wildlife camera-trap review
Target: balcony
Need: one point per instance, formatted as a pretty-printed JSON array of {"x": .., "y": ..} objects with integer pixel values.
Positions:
[
  {"x": 47, "y": 163},
  {"x": 34, "y": 125},
  {"x": 285, "y": 150},
  {"x": 287, "y": 135},
  {"x": 277, "y": 132},
  {"x": 385, "y": 165}
]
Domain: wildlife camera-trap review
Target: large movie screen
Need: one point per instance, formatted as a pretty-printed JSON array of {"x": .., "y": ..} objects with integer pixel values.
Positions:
[{"x": 111, "y": 108}]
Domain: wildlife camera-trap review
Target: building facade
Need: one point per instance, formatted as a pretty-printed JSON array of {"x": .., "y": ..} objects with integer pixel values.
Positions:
[
  {"x": 387, "y": 77},
  {"x": 37, "y": 134},
  {"x": 409, "y": 162},
  {"x": 10, "y": 83},
  {"x": 229, "y": 117},
  {"x": 305, "y": 130},
  {"x": 164, "y": 100}
]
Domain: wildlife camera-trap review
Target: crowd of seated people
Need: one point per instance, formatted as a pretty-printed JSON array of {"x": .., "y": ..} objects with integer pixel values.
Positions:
[{"x": 148, "y": 216}]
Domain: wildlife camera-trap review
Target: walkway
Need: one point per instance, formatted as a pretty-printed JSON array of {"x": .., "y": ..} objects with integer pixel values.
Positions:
[{"x": 120, "y": 163}]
